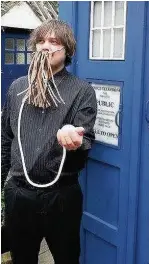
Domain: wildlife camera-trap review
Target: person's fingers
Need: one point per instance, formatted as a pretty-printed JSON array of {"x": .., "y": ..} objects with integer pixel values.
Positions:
[
  {"x": 65, "y": 140},
  {"x": 70, "y": 145},
  {"x": 58, "y": 135},
  {"x": 71, "y": 139},
  {"x": 61, "y": 138},
  {"x": 76, "y": 139},
  {"x": 80, "y": 130}
]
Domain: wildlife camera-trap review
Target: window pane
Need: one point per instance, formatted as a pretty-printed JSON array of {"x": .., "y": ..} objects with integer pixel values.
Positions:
[
  {"x": 107, "y": 14},
  {"x": 108, "y": 29},
  {"x": 118, "y": 43},
  {"x": 9, "y": 44},
  {"x": 29, "y": 57},
  {"x": 119, "y": 13},
  {"x": 97, "y": 14},
  {"x": 9, "y": 58},
  {"x": 20, "y": 44},
  {"x": 106, "y": 43},
  {"x": 96, "y": 43},
  {"x": 20, "y": 58},
  {"x": 28, "y": 48}
]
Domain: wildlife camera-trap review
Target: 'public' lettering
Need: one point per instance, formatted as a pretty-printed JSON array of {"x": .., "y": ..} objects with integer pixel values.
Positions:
[{"x": 105, "y": 103}]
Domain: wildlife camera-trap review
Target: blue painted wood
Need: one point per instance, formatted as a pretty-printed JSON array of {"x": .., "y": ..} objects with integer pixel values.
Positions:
[
  {"x": 70, "y": 8},
  {"x": 115, "y": 211},
  {"x": 11, "y": 72},
  {"x": 142, "y": 244}
]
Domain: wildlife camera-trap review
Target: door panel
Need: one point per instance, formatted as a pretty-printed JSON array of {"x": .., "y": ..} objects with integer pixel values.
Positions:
[
  {"x": 113, "y": 180},
  {"x": 13, "y": 69},
  {"x": 142, "y": 245},
  {"x": 107, "y": 176}
]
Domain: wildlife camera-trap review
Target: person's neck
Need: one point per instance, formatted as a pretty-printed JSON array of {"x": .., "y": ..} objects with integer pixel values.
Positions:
[{"x": 56, "y": 70}]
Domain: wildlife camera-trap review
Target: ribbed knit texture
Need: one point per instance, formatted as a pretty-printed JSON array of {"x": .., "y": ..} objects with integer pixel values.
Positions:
[{"x": 39, "y": 128}]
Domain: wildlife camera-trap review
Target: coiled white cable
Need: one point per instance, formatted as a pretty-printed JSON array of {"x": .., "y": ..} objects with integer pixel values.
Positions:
[
  {"x": 23, "y": 160},
  {"x": 20, "y": 145}
]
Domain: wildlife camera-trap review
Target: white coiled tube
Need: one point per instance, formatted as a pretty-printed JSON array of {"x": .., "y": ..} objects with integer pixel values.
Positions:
[
  {"x": 20, "y": 145},
  {"x": 23, "y": 160}
]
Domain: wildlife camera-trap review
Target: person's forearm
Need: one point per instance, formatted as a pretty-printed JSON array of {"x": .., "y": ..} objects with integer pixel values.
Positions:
[
  {"x": 5, "y": 159},
  {"x": 6, "y": 139}
]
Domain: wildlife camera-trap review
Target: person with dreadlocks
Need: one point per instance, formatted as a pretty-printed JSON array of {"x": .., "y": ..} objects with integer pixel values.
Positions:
[{"x": 47, "y": 132}]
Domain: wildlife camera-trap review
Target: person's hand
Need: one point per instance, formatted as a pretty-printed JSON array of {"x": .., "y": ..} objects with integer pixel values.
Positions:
[{"x": 70, "y": 137}]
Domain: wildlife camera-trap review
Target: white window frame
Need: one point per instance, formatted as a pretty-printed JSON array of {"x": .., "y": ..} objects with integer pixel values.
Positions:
[{"x": 102, "y": 27}]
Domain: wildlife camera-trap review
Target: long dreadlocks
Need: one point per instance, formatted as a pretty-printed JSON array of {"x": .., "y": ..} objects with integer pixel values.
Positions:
[{"x": 40, "y": 93}]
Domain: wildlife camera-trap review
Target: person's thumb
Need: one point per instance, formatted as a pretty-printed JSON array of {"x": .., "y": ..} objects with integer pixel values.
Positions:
[{"x": 80, "y": 130}]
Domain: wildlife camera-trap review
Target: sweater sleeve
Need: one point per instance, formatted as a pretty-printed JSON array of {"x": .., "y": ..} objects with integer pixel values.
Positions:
[
  {"x": 6, "y": 139},
  {"x": 85, "y": 116}
]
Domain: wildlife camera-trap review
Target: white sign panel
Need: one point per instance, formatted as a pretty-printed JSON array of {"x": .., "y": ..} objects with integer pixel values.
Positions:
[{"x": 108, "y": 101}]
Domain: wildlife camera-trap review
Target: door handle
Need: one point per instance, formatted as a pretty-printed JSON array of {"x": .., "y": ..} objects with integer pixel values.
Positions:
[
  {"x": 117, "y": 118},
  {"x": 147, "y": 112}
]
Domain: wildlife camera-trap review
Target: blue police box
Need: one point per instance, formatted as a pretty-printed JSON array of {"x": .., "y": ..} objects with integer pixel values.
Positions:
[{"x": 113, "y": 55}]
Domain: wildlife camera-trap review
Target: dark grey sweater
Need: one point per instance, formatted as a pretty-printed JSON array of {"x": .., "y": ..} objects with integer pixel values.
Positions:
[{"x": 39, "y": 128}]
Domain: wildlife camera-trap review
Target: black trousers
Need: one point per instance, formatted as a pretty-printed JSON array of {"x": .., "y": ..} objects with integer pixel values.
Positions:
[{"x": 54, "y": 213}]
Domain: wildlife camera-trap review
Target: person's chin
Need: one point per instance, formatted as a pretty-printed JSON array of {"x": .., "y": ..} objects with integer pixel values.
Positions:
[{"x": 56, "y": 66}]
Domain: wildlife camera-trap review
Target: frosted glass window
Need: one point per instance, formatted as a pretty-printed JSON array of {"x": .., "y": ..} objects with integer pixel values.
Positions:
[
  {"x": 119, "y": 13},
  {"x": 20, "y": 44},
  {"x": 118, "y": 42},
  {"x": 106, "y": 43},
  {"x": 107, "y": 14},
  {"x": 107, "y": 30},
  {"x": 9, "y": 58},
  {"x": 29, "y": 57},
  {"x": 96, "y": 41},
  {"x": 20, "y": 58},
  {"x": 97, "y": 14},
  {"x": 9, "y": 44},
  {"x": 27, "y": 45}
]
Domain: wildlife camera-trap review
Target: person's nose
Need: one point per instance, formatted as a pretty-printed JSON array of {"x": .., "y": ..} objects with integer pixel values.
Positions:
[{"x": 46, "y": 46}]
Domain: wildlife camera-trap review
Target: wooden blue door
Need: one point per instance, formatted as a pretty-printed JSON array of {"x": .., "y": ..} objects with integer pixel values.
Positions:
[
  {"x": 142, "y": 248},
  {"x": 15, "y": 57},
  {"x": 111, "y": 52}
]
